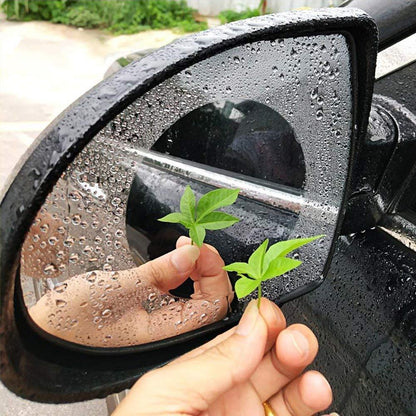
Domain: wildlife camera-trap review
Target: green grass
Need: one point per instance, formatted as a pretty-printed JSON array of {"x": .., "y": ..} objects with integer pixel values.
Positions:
[{"x": 228, "y": 16}]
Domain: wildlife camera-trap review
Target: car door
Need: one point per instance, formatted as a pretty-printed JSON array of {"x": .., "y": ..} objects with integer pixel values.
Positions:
[{"x": 364, "y": 312}]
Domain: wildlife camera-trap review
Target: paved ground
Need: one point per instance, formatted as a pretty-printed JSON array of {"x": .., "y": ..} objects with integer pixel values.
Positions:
[{"x": 44, "y": 68}]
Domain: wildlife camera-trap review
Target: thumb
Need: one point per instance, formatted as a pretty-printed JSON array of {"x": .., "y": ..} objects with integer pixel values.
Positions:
[
  {"x": 172, "y": 269},
  {"x": 191, "y": 386}
]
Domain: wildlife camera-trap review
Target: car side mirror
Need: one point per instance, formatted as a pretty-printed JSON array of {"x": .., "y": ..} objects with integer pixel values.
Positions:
[{"x": 275, "y": 105}]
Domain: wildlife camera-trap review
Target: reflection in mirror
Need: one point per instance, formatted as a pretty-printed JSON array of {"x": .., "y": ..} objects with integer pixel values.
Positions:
[
  {"x": 245, "y": 137},
  {"x": 272, "y": 118},
  {"x": 131, "y": 307}
]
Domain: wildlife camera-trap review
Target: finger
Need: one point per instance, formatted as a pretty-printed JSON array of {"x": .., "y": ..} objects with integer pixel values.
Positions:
[
  {"x": 306, "y": 395},
  {"x": 296, "y": 347},
  {"x": 274, "y": 319},
  {"x": 196, "y": 383},
  {"x": 172, "y": 269},
  {"x": 275, "y": 322},
  {"x": 211, "y": 280}
]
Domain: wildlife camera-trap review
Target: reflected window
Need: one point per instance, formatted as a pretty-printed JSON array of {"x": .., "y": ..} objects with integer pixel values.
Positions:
[{"x": 244, "y": 137}]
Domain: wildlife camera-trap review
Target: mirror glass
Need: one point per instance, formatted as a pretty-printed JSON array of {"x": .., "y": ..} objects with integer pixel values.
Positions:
[{"x": 272, "y": 118}]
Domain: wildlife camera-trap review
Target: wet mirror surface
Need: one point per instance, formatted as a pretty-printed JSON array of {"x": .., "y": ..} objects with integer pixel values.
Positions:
[{"x": 272, "y": 118}]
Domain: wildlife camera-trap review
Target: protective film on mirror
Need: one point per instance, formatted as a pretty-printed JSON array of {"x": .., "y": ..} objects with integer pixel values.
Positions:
[{"x": 272, "y": 118}]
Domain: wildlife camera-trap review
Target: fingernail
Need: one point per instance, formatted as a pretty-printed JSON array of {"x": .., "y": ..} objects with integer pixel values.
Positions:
[
  {"x": 184, "y": 258},
  {"x": 299, "y": 341},
  {"x": 248, "y": 320},
  {"x": 183, "y": 238},
  {"x": 331, "y": 414}
]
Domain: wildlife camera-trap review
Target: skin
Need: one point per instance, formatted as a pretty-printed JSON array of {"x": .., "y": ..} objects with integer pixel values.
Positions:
[
  {"x": 112, "y": 309},
  {"x": 260, "y": 359}
]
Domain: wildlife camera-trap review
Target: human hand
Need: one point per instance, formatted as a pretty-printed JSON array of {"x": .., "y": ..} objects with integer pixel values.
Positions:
[
  {"x": 131, "y": 307},
  {"x": 258, "y": 360}
]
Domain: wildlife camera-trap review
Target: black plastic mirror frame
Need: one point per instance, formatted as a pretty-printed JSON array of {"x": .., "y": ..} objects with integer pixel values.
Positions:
[{"x": 32, "y": 366}]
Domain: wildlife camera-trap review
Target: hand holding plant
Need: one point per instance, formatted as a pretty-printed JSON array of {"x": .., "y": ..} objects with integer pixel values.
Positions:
[{"x": 265, "y": 264}]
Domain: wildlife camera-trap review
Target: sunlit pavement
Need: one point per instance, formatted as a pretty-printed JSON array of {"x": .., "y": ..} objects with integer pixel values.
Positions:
[{"x": 43, "y": 69}]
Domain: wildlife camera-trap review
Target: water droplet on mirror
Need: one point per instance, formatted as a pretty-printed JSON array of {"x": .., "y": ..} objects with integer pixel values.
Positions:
[
  {"x": 73, "y": 258},
  {"x": 60, "y": 303},
  {"x": 49, "y": 269},
  {"x": 61, "y": 288},
  {"x": 52, "y": 241},
  {"x": 44, "y": 228},
  {"x": 106, "y": 313},
  {"x": 91, "y": 277},
  {"x": 319, "y": 114},
  {"x": 69, "y": 242}
]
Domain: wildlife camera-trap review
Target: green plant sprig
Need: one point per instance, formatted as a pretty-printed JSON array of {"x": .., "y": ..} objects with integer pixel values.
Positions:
[
  {"x": 203, "y": 216},
  {"x": 265, "y": 264}
]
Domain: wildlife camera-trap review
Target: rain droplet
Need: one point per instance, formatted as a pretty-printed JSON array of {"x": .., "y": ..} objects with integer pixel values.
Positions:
[
  {"x": 106, "y": 313},
  {"x": 319, "y": 114},
  {"x": 60, "y": 303},
  {"x": 91, "y": 276},
  {"x": 61, "y": 288},
  {"x": 52, "y": 241},
  {"x": 50, "y": 268}
]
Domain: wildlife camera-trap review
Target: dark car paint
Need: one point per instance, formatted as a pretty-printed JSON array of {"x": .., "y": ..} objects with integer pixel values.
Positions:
[
  {"x": 364, "y": 314},
  {"x": 364, "y": 317}
]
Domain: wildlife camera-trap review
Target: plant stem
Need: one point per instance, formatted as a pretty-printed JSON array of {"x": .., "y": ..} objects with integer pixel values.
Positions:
[{"x": 259, "y": 295}]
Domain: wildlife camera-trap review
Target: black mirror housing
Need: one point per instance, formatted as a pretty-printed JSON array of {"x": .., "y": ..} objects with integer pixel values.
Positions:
[{"x": 31, "y": 365}]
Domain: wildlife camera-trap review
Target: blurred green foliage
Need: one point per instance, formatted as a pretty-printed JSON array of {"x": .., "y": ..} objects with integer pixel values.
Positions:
[
  {"x": 117, "y": 16},
  {"x": 227, "y": 16}
]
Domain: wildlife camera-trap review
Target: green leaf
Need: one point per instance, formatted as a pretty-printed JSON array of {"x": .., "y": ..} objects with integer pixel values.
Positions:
[
  {"x": 217, "y": 221},
  {"x": 279, "y": 266},
  {"x": 188, "y": 204},
  {"x": 174, "y": 217},
  {"x": 241, "y": 268},
  {"x": 245, "y": 286},
  {"x": 256, "y": 259},
  {"x": 282, "y": 248},
  {"x": 197, "y": 234},
  {"x": 214, "y": 200}
]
